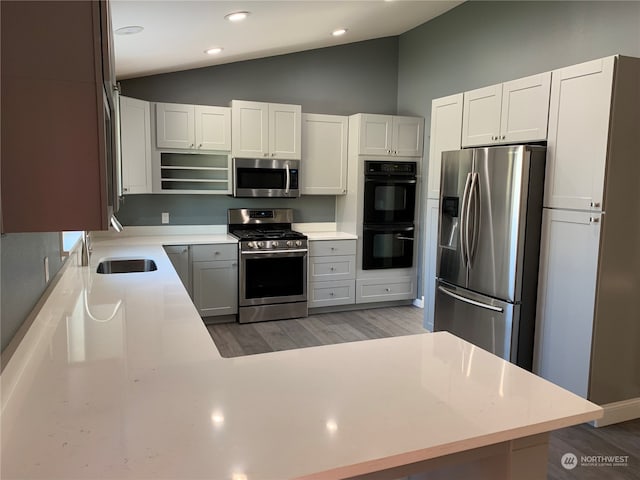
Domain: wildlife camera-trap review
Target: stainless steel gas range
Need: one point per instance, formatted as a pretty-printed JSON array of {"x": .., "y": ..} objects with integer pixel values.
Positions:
[{"x": 273, "y": 264}]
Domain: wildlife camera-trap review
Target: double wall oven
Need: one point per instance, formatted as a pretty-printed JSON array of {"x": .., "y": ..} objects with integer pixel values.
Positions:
[
  {"x": 272, "y": 278},
  {"x": 389, "y": 211}
]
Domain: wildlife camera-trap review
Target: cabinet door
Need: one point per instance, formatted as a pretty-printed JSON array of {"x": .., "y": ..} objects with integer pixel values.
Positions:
[
  {"x": 215, "y": 287},
  {"x": 430, "y": 261},
  {"x": 55, "y": 126},
  {"x": 249, "y": 129},
  {"x": 566, "y": 296},
  {"x": 578, "y": 132},
  {"x": 376, "y": 134},
  {"x": 525, "y": 109},
  {"x": 446, "y": 133},
  {"x": 179, "y": 256},
  {"x": 481, "y": 116},
  {"x": 324, "y": 149},
  {"x": 284, "y": 131},
  {"x": 175, "y": 125},
  {"x": 135, "y": 142},
  {"x": 212, "y": 128},
  {"x": 407, "y": 136}
]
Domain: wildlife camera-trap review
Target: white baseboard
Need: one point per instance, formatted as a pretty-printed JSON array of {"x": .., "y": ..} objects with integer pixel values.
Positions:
[
  {"x": 419, "y": 302},
  {"x": 617, "y": 412}
]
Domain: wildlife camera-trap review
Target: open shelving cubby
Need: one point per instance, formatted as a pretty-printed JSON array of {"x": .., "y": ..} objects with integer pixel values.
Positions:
[{"x": 195, "y": 173}]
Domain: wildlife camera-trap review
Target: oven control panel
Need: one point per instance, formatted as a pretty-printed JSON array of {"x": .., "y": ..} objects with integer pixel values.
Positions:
[{"x": 270, "y": 245}]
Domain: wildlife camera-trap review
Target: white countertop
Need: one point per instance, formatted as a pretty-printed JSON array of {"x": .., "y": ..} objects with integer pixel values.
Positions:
[{"x": 118, "y": 378}]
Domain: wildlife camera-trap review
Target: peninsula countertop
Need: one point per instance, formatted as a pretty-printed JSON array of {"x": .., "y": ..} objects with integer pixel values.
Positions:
[{"x": 118, "y": 378}]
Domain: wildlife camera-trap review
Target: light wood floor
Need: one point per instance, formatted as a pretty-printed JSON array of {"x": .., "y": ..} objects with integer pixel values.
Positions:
[{"x": 233, "y": 339}]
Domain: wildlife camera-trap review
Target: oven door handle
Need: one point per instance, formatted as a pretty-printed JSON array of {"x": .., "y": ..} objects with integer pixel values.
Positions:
[
  {"x": 288, "y": 184},
  {"x": 386, "y": 181},
  {"x": 391, "y": 229},
  {"x": 280, "y": 253},
  {"x": 404, "y": 238}
]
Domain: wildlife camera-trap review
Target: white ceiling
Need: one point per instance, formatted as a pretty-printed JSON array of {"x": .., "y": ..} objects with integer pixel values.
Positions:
[{"x": 177, "y": 32}]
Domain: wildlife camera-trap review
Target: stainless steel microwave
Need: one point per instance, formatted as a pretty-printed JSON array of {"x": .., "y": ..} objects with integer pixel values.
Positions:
[{"x": 264, "y": 177}]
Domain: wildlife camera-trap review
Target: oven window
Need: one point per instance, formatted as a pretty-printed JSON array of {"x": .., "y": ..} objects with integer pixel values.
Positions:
[
  {"x": 389, "y": 202},
  {"x": 261, "y": 178},
  {"x": 387, "y": 249},
  {"x": 390, "y": 198},
  {"x": 386, "y": 246},
  {"x": 274, "y": 277}
]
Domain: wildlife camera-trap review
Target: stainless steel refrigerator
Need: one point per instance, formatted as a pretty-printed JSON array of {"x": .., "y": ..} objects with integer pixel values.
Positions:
[{"x": 488, "y": 247}]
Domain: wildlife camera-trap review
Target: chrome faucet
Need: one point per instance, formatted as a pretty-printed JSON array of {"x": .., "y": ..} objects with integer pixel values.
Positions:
[{"x": 86, "y": 248}]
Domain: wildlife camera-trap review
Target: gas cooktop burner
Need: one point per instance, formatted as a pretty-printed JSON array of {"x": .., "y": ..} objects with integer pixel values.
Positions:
[{"x": 267, "y": 234}]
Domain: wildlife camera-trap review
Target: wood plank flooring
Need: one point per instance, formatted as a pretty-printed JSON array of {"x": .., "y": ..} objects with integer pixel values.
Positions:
[{"x": 233, "y": 339}]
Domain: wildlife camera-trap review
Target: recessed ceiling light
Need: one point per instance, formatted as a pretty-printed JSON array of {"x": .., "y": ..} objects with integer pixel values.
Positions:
[
  {"x": 236, "y": 16},
  {"x": 213, "y": 51},
  {"x": 130, "y": 30},
  {"x": 338, "y": 32}
]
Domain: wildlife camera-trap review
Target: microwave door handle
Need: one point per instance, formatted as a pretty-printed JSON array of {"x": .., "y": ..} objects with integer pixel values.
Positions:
[{"x": 288, "y": 184}]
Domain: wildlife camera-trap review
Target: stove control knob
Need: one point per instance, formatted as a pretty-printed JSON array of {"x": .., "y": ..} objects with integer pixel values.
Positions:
[
  {"x": 251, "y": 245},
  {"x": 260, "y": 244},
  {"x": 289, "y": 243},
  {"x": 298, "y": 243},
  {"x": 274, "y": 244}
]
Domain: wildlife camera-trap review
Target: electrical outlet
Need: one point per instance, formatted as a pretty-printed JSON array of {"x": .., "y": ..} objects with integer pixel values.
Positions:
[
  {"x": 165, "y": 217},
  {"x": 46, "y": 269}
]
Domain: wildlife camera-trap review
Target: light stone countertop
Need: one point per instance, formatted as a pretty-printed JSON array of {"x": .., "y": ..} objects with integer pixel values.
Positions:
[{"x": 118, "y": 378}]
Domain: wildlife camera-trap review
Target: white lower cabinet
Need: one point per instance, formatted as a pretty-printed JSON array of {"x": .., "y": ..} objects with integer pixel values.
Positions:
[
  {"x": 215, "y": 279},
  {"x": 385, "y": 289},
  {"x": 566, "y": 297},
  {"x": 180, "y": 259},
  {"x": 332, "y": 272}
]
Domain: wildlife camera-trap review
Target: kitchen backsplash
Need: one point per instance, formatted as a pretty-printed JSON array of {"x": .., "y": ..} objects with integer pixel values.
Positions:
[{"x": 141, "y": 210}]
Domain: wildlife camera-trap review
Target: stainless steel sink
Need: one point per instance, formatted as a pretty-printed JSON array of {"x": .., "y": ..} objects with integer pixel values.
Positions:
[{"x": 129, "y": 265}]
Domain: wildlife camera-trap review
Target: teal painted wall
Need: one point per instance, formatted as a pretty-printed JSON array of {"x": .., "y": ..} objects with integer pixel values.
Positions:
[{"x": 22, "y": 279}]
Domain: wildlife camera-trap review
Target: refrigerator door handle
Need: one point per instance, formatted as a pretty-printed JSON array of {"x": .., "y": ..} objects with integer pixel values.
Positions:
[
  {"x": 468, "y": 300},
  {"x": 474, "y": 195},
  {"x": 464, "y": 221}
]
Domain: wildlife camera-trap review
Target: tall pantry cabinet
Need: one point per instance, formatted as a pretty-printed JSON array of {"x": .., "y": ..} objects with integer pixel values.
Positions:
[
  {"x": 445, "y": 134},
  {"x": 588, "y": 320}
]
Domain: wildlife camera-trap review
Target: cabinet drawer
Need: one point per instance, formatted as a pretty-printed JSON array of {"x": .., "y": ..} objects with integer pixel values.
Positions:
[
  {"x": 332, "y": 268},
  {"x": 385, "y": 290},
  {"x": 209, "y": 253},
  {"x": 324, "y": 294},
  {"x": 319, "y": 248}
]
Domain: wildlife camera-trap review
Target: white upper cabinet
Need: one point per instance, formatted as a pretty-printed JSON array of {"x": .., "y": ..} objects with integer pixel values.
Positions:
[
  {"x": 193, "y": 127},
  {"x": 578, "y": 133},
  {"x": 511, "y": 112},
  {"x": 481, "y": 119},
  {"x": 324, "y": 154},
  {"x": 446, "y": 133},
  {"x": 266, "y": 130},
  {"x": 212, "y": 128},
  {"x": 135, "y": 145},
  {"x": 390, "y": 135}
]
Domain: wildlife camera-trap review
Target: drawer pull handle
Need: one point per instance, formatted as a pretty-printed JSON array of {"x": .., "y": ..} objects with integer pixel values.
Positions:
[
  {"x": 331, "y": 294},
  {"x": 387, "y": 289},
  {"x": 332, "y": 269}
]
